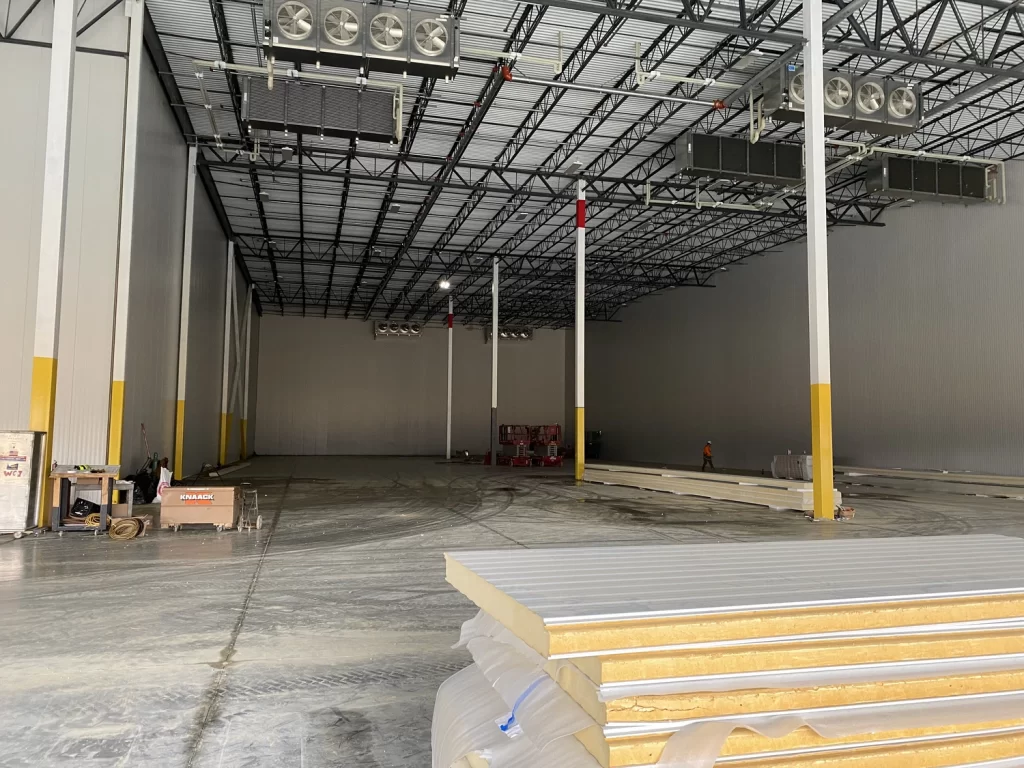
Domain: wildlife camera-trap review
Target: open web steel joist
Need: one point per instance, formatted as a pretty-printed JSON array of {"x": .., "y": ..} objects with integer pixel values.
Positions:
[{"x": 487, "y": 166}]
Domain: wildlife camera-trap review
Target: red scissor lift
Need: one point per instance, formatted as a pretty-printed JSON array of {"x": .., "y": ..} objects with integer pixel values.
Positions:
[
  {"x": 547, "y": 445},
  {"x": 515, "y": 441}
]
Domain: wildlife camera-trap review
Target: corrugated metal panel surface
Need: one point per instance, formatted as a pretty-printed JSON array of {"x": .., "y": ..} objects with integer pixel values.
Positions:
[
  {"x": 83, "y": 383},
  {"x": 926, "y": 361},
  {"x": 328, "y": 387},
  {"x": 609, "y": 583},
  {"x": 206, "y": 333},
  {"x": 155, "y": 291}
]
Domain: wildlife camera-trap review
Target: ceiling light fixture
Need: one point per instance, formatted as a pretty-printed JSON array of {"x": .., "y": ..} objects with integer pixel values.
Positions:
[
  {"x": 287, "y": 153},
  {"x": 575, "y": 167},
  {"x": 444, "y": 284}
]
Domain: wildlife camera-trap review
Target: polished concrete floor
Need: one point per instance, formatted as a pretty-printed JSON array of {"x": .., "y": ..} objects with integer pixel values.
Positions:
[{"x": 321, "y": 639}]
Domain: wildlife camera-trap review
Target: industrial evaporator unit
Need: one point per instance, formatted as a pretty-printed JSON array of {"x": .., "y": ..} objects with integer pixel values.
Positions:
[
  {"x": 870, "y": 103},
  {"x": 369, "y": 37}
]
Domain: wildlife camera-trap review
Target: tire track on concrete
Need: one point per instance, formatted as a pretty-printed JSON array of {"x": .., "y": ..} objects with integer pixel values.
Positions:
[{"x": 215, "y": 690}]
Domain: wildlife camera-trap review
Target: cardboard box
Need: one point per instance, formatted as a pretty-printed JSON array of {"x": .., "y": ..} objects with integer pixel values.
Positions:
[{"x": 190, "y": 506}]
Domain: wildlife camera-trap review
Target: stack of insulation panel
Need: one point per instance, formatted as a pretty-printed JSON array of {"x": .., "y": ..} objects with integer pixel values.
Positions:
[{"x": 873, "y": 653}]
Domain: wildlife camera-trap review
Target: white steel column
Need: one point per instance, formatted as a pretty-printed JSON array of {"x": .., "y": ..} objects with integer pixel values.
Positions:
[
  {"x": 817, "y": 265},
  {"x": 243, "y": 419},
  {"x": 581, "y": 319},
  {"x": 186, "y": 299},
  {"x": 51, "y": 238},
  {"x": 135, "y": 10},
  {"x": 494, "y": 365},
  {"x": 225, "y": 416},
  {"x": 448, "y": 430}
]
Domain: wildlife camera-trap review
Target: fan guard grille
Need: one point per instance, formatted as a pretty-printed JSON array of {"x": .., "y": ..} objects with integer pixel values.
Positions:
[
  {"x": 796, "y": 88},
  {"x": 870, "y": 97},
  {"x": 902, "y": 102},
  {"x": 430, "y": 37},
  {"x": 838, "y": 92},
  {"x": 294, "y": 20},
  {"x": 341, "y": 26},
  {"x": 387, "y": 31}
]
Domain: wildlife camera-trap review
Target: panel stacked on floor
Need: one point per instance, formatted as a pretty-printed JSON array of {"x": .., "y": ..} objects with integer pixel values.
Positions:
[
  {"x": 748, "y": 489},
  {"x": 873, "y": 653}
]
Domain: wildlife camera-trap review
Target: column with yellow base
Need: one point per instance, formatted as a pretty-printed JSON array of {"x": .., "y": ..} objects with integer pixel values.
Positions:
[
  {"x": 817, "y": 266},
  {"x": 581, "y": 319},
  {"x": 42, "y": 405},
  {"x": 135, "y": 10},
  {"x": 185, "y": 313}
]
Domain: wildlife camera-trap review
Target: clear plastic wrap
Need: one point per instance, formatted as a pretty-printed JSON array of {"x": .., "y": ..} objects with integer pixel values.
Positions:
[
  {"x": 465, "y": 715},
  {"x": 698, "y": 743}
]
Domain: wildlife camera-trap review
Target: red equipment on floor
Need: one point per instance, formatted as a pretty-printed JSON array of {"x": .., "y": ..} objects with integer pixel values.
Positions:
[
  {"x": 515, "y": 441},
  {"x": 547, "y": 446}
]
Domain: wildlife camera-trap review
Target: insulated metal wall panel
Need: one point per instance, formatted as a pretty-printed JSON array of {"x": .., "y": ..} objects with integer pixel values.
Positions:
[
  {"x": 155, "y": 289},
  {"x": 926, "y": 359},
  {"x": 206, "y": 332},
  {"x": 94, "y": 183},
  {"x": 326, "y": 386}
]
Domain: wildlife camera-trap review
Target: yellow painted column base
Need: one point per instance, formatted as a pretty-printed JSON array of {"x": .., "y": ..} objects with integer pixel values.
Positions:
[
  {"x": 243, "y": 452},
  {"x": 179, "y": 441},
  {"x": 115, "y": 435},
  {"x": 581, "y": 445},
  {"x": 821, "y": 452},
  {"x": 42, "y": 407},
  {"x": 225, "y": 438}
]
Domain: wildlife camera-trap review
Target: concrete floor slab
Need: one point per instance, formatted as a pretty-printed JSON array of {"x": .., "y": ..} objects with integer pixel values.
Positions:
[{"x": 321, "y": 639}]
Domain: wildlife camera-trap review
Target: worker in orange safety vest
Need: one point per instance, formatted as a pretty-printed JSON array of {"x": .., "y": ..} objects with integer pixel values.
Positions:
[{"x": 708, "y": 458}]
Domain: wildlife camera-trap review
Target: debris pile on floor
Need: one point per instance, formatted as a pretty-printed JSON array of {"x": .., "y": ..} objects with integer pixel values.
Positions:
[{"x": 873, "y": 653}]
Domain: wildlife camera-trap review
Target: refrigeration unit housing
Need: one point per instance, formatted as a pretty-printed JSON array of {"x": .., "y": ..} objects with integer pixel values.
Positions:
[
  {"x": 770, "y": 162},
  {"x": 908, "y": 178},
  {"x": 369, "y": 37},
  {"x": 869, "y": 103},
  {"x": 317, "y": 110}
]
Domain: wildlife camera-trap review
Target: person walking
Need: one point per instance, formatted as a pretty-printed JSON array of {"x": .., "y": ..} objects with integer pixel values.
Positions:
[{"x": 708, "y": 458}]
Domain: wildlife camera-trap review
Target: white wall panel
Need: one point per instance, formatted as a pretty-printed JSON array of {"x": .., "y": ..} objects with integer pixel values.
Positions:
[
  {"x": 206, "y": 329},
  {"x": 155, "y": 290},
  {"x": 926, "y": 321},
  {"x": 83, "y": 375},
  {"x": 328, "y": 387}
]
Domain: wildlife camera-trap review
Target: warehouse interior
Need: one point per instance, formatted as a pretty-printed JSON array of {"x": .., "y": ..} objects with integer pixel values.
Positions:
[{"x": 404, "y": 280}]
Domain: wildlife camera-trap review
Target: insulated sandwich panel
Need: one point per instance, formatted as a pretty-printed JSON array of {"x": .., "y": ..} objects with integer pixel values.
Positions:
[{"x": 588, "y": 600}]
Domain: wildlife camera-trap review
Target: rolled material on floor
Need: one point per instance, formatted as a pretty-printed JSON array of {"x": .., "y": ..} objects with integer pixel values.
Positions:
[{"x": 747, "y": 489}]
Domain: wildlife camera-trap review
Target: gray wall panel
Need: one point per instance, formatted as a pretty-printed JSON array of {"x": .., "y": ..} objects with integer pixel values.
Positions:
[
  {"x": 206, "y": 330},
  {"x": 926, "y": 321},
  {"x": 155, "y": 289},
  {"x": 328, "y": 387}
]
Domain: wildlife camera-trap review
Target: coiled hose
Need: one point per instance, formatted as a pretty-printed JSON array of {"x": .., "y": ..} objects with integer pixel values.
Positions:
[{"x": 121, "y": 528}]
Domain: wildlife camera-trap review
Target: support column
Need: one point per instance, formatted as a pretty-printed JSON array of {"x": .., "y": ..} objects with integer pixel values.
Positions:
[
  {"x": 186, "y": 294},
  {"x": 243, "y": 421},
  {"x": 817, "y": 266},
  {"x": 448, "y": 430},
  {"x": 581, "y": 320},
  {"x": 494, "y": 365},
  {"x": 225, "y": 416},
  {"x": 134, "y": 9},
  {"x": 51, "y": 239}
]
